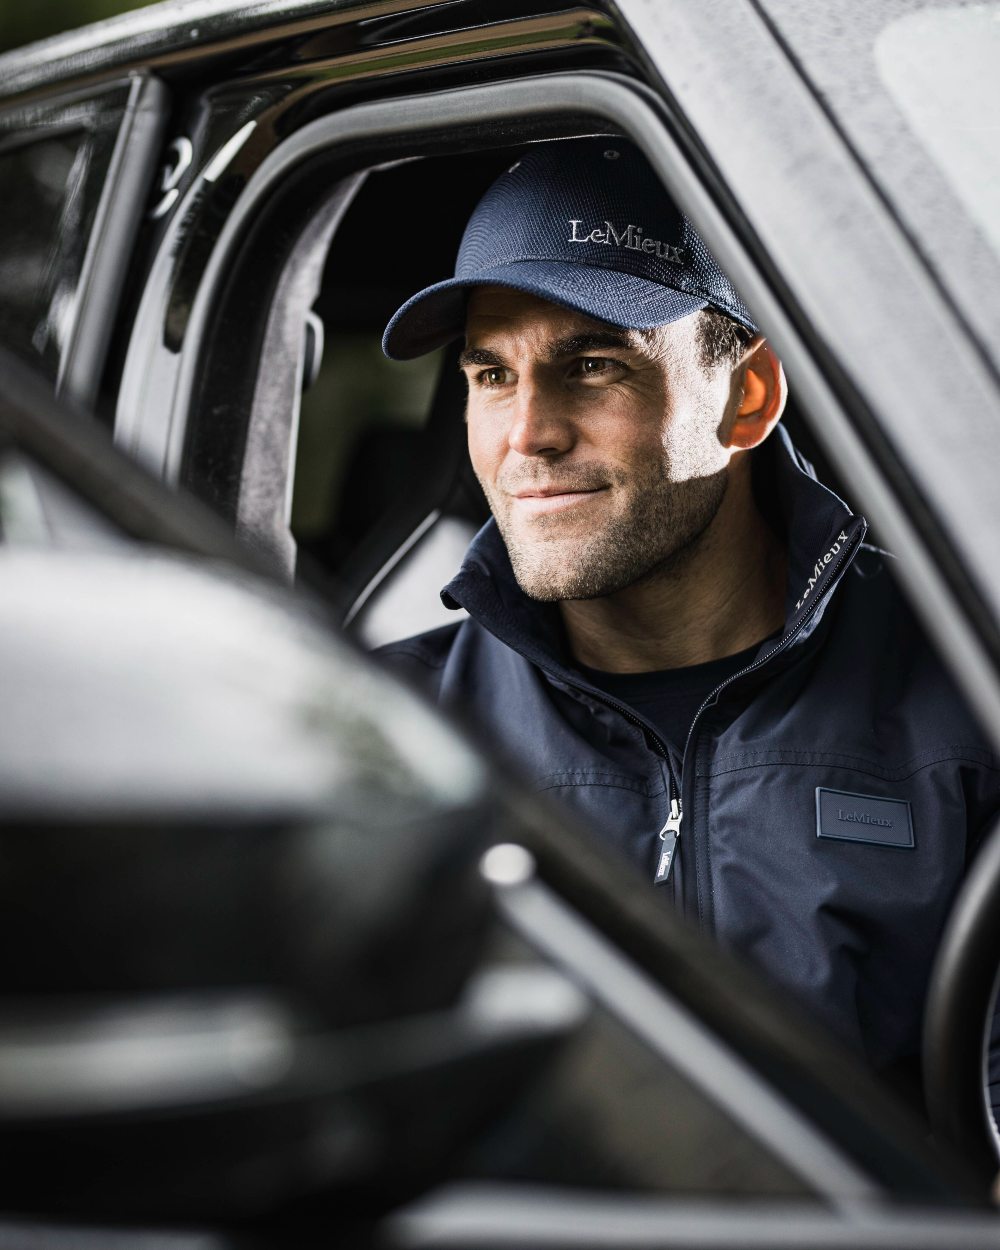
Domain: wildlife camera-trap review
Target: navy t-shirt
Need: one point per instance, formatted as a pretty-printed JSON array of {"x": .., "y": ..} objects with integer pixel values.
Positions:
[{"x": 669, "y": 698}]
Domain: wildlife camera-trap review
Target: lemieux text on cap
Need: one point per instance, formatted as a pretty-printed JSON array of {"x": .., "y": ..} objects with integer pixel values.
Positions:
[{"x": 630, "y": 237}]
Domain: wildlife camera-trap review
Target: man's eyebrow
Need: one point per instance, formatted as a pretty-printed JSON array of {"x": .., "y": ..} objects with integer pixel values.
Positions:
[
  {"x": 574, "y": 345},
  {"x": 478, "y": 356},
  {"x": 595, "y": 340}
]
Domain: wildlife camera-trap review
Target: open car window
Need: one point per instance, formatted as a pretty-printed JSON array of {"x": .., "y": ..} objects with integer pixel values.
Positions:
[{"x": 384, "y": 500}]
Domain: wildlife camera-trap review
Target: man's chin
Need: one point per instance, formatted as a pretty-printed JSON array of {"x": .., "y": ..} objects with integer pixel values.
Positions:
[
  {"x": 544, "y": 584},
  {"x": 561, "y": 572},
  {"x": 556, "y": 580},
  {"x": 542, "y": 594}
]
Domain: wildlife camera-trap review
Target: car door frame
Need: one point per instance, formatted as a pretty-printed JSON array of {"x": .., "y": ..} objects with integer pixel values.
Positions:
[
  {"x": 859, "y": 414},
  {"x": 120, "y": 208}
]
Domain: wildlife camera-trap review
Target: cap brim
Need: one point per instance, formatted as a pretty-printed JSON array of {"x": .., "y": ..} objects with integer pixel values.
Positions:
[{"x": 436, "y": 315}]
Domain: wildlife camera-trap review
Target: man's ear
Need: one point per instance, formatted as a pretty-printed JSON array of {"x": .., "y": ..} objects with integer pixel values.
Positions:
[{"x": 759, "y": 394}]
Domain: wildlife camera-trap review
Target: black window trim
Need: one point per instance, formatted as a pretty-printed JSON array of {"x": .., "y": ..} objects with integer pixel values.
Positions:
[{"x": 108, "y": 251}]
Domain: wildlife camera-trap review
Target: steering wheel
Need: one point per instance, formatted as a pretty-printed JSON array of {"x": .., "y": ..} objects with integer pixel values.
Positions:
[{"x": 959, "y": 1013}]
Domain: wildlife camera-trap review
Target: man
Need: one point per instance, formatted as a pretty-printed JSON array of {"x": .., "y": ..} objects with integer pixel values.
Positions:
[{"x": 672, "y": 624}]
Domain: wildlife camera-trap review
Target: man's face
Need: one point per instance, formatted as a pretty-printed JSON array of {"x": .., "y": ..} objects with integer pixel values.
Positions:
[{"x": 598, "y": 449}]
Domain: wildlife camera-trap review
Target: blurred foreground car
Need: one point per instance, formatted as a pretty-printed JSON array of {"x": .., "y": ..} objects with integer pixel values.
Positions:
[{"x": 281, "y": 953}]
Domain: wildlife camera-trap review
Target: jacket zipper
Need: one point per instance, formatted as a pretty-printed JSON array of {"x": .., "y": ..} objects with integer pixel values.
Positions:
[
  {"x": 672, "y": 828},
  {"x": 671, "y": 831},
  {"x": 669, "y": 834}
]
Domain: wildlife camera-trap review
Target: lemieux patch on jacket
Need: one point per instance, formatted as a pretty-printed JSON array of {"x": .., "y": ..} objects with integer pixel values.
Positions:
[{"x": 863, "y": 818}]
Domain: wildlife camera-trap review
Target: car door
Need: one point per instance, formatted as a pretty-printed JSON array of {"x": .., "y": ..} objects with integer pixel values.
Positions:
[
  {"x": 211, "y": 390},
  {"x": 867, "y": 186}
]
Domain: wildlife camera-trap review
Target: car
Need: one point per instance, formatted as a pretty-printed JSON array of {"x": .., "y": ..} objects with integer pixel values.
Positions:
[{"x": 210, "y": 213}]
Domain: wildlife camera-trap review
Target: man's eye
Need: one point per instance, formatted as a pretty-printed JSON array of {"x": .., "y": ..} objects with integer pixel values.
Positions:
[
  {"x": 597, "y": 366},
  {"x": 496, "y": 375}
]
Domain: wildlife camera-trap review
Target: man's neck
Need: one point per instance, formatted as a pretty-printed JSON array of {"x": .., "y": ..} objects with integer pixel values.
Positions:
[{"x": 721, "y": 598}]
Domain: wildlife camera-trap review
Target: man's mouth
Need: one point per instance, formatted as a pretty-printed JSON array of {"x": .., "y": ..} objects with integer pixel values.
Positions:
[{"x": 539, "y": 500}]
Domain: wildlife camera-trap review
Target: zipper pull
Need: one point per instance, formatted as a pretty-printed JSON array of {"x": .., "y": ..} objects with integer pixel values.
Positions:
[{"x": 669, "y": 834}]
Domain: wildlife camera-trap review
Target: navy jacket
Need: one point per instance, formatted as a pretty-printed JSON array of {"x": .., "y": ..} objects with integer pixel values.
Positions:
[{"x": 847, "y": 707}]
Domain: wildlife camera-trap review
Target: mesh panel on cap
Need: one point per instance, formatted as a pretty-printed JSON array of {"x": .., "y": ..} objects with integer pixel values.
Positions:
[{"x": 594, "y": 233}]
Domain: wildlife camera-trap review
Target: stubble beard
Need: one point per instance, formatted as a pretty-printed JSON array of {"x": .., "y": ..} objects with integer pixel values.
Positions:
[{"x": 653, "y": 536}]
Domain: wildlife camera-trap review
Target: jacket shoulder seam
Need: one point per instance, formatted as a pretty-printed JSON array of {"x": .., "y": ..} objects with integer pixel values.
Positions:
[
  {"x": 413, "y": 653},
  {"x": 430, "y": 649}
]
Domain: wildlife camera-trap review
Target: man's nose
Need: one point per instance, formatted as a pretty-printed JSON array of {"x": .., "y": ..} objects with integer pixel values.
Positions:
[{"x": 540, "y": 425}]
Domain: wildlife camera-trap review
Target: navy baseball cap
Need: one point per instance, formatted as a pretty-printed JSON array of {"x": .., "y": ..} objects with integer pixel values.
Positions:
[{"x": 584, "y": 223}]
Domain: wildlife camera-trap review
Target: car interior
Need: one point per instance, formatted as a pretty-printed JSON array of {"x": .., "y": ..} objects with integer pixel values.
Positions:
[{"x": 384, "y": 496}]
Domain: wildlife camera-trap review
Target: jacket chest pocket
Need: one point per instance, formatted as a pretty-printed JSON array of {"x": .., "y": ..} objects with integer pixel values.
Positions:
[
  {"x": 818, "y": 853},
  {"x": 623, "y": 810}
]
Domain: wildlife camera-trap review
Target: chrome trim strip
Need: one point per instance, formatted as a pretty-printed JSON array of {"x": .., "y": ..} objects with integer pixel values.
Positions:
[{"x": 467, "y": 1216}]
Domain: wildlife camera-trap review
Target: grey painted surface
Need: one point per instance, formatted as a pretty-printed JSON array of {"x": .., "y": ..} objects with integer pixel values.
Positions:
[{"x": 864, "y": 60}]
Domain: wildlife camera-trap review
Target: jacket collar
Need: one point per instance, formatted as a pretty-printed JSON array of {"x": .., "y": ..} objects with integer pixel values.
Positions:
[{"x": 822, "y": 534}]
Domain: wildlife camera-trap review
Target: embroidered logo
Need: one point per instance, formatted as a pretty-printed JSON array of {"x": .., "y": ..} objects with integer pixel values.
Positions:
[
  {"x": 631, "y": 237},
  {"x": 818, "y": 568},
  {"x": 863, "y": 818}
]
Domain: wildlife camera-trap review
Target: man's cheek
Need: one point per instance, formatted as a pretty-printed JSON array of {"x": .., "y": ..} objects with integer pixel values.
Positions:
[{"x": 482, "y": 456}]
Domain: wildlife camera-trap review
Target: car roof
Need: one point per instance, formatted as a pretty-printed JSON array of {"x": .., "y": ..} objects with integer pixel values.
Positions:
[{"x": 163, "y": 30}]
